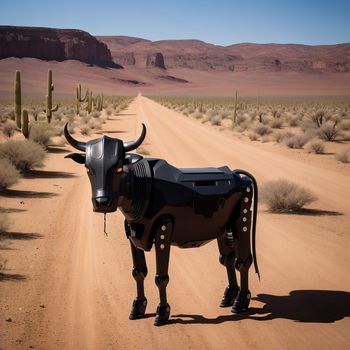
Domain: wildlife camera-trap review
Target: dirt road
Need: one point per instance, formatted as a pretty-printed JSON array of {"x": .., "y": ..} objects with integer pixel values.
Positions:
[{"x": 70, "y": 287}]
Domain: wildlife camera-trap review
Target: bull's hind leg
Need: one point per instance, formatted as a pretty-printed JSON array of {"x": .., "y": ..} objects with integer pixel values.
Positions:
[
  {"x": 227, "y": 258},
  {"x": 243, "y": 251},
  {"x": 139, "y": 272},
  {"x": 162, "y": 243}
]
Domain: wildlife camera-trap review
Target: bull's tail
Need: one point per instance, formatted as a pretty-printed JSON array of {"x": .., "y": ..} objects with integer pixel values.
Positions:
[{"x": 255, "y": 212}]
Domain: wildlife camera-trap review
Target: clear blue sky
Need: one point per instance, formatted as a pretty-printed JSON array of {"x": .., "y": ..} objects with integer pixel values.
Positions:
[{"x": 221, "y": 22}]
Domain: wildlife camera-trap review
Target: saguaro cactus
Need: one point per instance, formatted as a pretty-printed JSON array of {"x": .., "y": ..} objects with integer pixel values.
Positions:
[
  {"x": 50, "y": 87},
  {"x": 79, "y": 98},
  {"x": 235, "y": 109},
  {"x": 90, "y": 101},
  {"x": 18, "y": 99},
  {"x": 25, "y": 124}
]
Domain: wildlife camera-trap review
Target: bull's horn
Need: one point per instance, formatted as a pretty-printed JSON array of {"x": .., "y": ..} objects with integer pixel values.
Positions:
[
  {"x": 130, "y": 145},
  {"x": 81, "y": 146}
]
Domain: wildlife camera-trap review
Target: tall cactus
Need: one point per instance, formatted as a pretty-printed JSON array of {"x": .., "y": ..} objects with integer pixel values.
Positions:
[
  {"x": 25, "y": 124},
  {"x": 235, "y": 109},
  {"x": 50, "y": 87},
  {"x": 79, "y": 98},
  {"x": 90, "y": 102},
  {"x": 18, "y": 99}
]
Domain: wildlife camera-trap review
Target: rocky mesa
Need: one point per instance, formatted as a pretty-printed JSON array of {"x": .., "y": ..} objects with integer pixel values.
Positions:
[{"x": 53, "y": 44}]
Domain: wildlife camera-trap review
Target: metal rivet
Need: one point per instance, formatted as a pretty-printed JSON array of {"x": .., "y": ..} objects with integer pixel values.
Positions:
[
  {"x": 162, "y": 246},
  {"x": 168, "y": 309},
  {"x": 244, "y": 219},
  {"x": 245, "y": 229},
  {"x": 245, "y": 211},
  {"x": 145, "y": 302},
  {"x": 163, "y": 228},
  {"x": 246, "y": 199},
  {"x": 248, "y": 189},
  {"x": 162, "y": 236}
]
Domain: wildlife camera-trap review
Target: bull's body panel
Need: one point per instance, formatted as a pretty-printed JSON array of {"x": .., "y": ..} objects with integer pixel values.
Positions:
[{"x": 201, "y": 199}]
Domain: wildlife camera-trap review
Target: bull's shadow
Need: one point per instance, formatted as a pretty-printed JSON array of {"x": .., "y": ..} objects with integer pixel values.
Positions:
[{"x": 314, "y": 306}]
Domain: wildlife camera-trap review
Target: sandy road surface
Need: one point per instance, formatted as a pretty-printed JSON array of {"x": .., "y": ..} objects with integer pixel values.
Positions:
[{"x": 70, "y": 287}]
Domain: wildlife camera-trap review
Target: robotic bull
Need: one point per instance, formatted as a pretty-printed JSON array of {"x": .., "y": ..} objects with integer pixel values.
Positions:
[{"x": 165, "y": 206}]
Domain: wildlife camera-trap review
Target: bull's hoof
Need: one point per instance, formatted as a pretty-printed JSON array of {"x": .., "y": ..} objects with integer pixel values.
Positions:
[
  {"x": 163, "y": 313},
  {"x": 230, "y": 295},
  {"x": 138, "y": 309},
  {"x": 241, "y": 302}
]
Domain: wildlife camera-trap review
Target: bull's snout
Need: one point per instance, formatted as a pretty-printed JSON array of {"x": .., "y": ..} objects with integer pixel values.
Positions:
[{"x": 103, "y": 204}]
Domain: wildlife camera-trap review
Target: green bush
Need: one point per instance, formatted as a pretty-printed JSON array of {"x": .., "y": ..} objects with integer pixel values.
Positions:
[
  {"x": 285, "y": 196},
  {"x": 24, "y": 155}
]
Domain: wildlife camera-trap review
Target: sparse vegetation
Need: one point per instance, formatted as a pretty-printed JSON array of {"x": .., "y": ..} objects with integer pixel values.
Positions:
[
  {"x": 315, "y": 146},
  {"x": 8, "y": 174},
  {"x": 285, "y": 196},
  {"x": 24, "y": 155},
  {"x": 343, "y": 156}
]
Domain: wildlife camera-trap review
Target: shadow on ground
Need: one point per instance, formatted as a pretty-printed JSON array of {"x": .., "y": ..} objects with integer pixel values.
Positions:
[
  {"x": 11, "y": 277},
  {"x": 55, "y": 149},
  {"x": 20, "y": 235},
  {"x": 26, "y": 194},
  {"x": 45, "y": 174},
  {"x": 307, "y": 306}
]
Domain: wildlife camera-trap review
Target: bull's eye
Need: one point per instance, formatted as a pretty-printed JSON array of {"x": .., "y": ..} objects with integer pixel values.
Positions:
[{"x": 119, "y": 170}]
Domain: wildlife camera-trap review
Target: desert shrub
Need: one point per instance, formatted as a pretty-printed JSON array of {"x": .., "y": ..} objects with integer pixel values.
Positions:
[
  {"x": 24, "y": 155},
  {"x": 224, "y": 114},
  {"x": 345, "y": 125},
  {"x": 9, "y": 128},
  {"x": 265, "y": 138},
  {"x": 276, "y": 123},
  {"x": 85, "y": 129},
  {"x": 41, "y": 133},
  {"x": 109, "y": 111},
  {"x": 8, "y": 174},
  {"x": 95, "y": 124},
  {"x": 278, "y": 136},
  {"x": 343, "y": 156},
  {"x": 296, "y": 141},
  {"x": 211, "y": 113},
  {"x": 315, "y": 146},
  {"x": 4, "y": 223},
  {"x": 285, "y": 196},
  {"x": 261, "y": 129},
  {"x": 215, "y": 120},
  {"x": 253, "y": 136},
  {"x": 294, "y": 121},
  {"x": 329, "y": 131},
  {"x": 197, "y": 115},
  {"x": 95, "y": 114}
]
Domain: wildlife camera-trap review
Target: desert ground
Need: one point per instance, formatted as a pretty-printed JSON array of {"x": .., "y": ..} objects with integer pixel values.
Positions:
[{"x": 69, "y": 286}]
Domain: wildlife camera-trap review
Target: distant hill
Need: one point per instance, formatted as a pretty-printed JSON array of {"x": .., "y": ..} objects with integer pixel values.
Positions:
[{"x": 196, "y": 54}]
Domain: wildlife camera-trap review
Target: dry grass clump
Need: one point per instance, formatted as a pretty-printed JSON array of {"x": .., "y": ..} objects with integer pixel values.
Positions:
[
  {"x": 330, "y": 131},
  {"x": 285, "y": 196},
  {"x": 343, "y": 156},
  {"x": 24, "y": 155},
  {"x": 41, "y": 133},
  {"x": 8, "y": 174},
  {"x": 9, "y": 128},
  {"x": 261, "y": 129},
  {"x": 276, "y": 123},
  {"x": 197, "y": 115},
  {"x": 296, "y": 141},
  {"x": 85, "y": 129},
  {"x": 316, "y": 146},
  {"x": 253, "y": 136},
  {"x": 215, "y": 120}
]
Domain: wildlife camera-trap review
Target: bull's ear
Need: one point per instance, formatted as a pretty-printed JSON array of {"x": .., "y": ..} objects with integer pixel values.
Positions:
[{"x": 77, "y": 157}]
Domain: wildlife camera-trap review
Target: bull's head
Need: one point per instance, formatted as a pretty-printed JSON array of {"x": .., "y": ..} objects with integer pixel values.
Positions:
[{"x": 104, "y": 159}]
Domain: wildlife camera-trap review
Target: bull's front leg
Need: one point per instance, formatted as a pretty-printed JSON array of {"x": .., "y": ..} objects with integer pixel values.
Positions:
[
  {"x": 162, "y": 243},
  {"x": 139, "y": 272}
]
